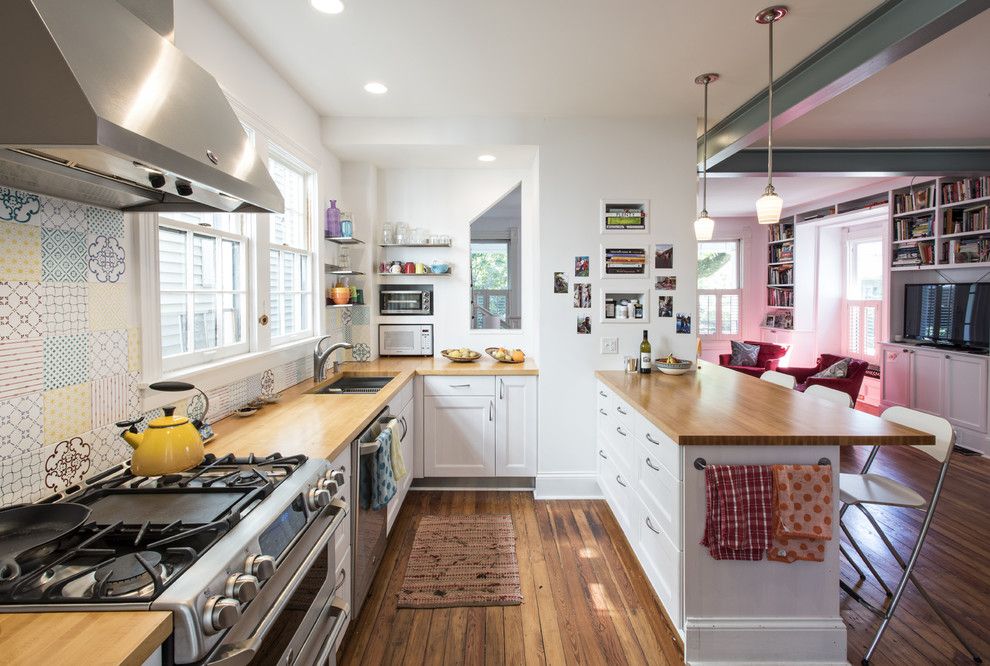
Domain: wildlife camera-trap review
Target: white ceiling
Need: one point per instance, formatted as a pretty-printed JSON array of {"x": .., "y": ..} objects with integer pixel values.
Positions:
[
  {"x": 736, "y": 197},
  {"x": 388, "y": 156},
  {"x": 526, "y": 57}
]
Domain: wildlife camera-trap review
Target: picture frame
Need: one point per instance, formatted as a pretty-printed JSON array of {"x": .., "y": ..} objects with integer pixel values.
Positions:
[
  {"x": 619, "y": 216},
  {"x": 663, "y": 256},
  {"x": 624, "y": 260}
]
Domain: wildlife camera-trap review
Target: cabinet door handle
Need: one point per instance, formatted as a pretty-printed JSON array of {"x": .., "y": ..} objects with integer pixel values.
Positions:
[
  {"x": 621, "y": 482},
  {"x": 651, "y": 440},
  {"x": 621, "y": 431},
  {"x": 650, "y": 464},
  {"x": 491, "y": 410},
  {"x": 602, "y": 454},
  {"x": 603, "y": 412},
  {"x": 603, "y": 394},
  {"x": 619, "y": 409},
  {"x": 405, "y": 428},
  {"x": 460, "y": 386},
  {"x": 649, "y": 523},
  {"x": 501, "y": 389}
]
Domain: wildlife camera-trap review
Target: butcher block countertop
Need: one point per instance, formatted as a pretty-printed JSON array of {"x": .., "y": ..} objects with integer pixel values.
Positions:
[
  {"x": 98, "y": 638},
  {"x": 718, "y": 406},
  {"x": 321, "y": 426}
]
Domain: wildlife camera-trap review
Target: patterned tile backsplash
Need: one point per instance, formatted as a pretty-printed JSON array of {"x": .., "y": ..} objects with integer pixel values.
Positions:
[{"x": 70, "y": 350}]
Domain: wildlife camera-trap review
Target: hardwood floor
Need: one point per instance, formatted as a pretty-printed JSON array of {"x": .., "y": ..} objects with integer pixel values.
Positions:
[{"x": 586, "y": 600}]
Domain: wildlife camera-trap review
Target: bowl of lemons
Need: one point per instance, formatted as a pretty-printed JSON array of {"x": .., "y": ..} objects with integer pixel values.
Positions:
[
  {"x": 503, "y": 355},
  {"x": 462, "y": 355}
]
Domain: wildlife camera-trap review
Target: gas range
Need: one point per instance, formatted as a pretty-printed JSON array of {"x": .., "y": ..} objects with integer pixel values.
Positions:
[{"x": 216, "y": 545}]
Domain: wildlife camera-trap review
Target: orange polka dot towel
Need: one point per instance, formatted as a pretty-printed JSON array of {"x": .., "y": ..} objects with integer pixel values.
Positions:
[{"x": 802, "y": 520}]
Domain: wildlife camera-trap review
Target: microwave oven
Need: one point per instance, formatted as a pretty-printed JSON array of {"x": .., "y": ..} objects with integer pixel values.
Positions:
[
  {"x": 405, "y": 339},
  {"x": 405, "y": 299}
]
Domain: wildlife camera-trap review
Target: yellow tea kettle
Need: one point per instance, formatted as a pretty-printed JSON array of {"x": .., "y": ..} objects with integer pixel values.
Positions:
[{"x": 170, "y": 444}]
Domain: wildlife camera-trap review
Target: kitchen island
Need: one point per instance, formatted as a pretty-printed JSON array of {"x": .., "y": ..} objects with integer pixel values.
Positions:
[{"x": 655, "y": 435}]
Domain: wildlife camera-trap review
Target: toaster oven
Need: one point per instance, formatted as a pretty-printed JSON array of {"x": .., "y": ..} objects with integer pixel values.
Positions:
[{"x": 405, "y": 299}]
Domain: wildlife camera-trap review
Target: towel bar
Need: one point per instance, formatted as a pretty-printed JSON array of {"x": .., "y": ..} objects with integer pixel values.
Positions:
[{"x": 700, "y": 463}]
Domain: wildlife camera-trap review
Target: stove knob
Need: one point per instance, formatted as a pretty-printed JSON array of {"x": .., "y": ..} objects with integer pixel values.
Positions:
[
  {"x": 329, "y": 486},
  {"x": 317, "y": 499},
  {"x": 337, "y": 477},
  {"x": 243, "y": 587},
  {"x": 221, "y": 613},
  {"x": 261, "y": 567}
]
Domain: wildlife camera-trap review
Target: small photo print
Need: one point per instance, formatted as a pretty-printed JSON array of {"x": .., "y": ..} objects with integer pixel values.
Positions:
[
  {"x": 663, "y": 256},
  {"x": 666, "y": 307},
  {"x": 666, "y": 283},
  {"x": 584, "y": 325},
  {"x": 683, "y": 322},
  {"x": 559, "y": 283},
  {"x": 581, "y": 266},
  {"x": 582, "y": 294}
]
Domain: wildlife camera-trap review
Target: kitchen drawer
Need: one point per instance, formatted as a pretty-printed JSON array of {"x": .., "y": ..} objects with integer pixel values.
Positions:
[
  {"x": 661, "y": 493},
  {"x": 623, "y": 447},
  {"x": 344, "y": 572},
  {"x": 618, "y": 492},
  {"x": 661, "y": 560},
  {"x": 625, "y": 415},
  {"x": 402, "y": 398},
  {"x": 483, "y": 386},
  {"x": 605, "y": 397},
  {"x": 663, "y": 449}
]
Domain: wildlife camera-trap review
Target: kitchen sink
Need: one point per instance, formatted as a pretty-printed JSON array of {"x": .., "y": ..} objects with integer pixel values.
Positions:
[{"x": 351, "y": 384}]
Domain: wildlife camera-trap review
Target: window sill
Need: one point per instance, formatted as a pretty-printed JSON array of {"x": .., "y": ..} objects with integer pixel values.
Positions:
[{"x": 227, "y": 371}]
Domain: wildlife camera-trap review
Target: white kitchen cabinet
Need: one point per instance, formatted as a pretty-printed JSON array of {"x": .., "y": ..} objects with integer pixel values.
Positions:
[
  {"x": 927, "y": 381},
  {"x": 406, "y": 422},
  {"x": 515, "y": 426},
  {"x": 966, "y": 391},
  {"x": 459, "y": 435},
  {"x": 895, "y": 369}
]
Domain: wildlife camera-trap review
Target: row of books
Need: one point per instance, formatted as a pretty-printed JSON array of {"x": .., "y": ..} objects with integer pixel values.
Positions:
[
  {"x": 780, "y": 274},
  {"x": 780, "y": 298},
  {"x": 782, "y": 252},
  {"x": 907, "y": 228},
  {"x": 779, "y": 232},
  {"x": 961, "y": 220},
  {"x": 915, "y": 199},
  {"x": 965, "y": 189},
  {"x": 966, "y": 250},
  {"x": 914, "y": 255}
]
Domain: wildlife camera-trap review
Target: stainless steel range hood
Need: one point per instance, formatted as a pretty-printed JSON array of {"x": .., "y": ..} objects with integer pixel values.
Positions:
[{"x": 101, "y": 108}]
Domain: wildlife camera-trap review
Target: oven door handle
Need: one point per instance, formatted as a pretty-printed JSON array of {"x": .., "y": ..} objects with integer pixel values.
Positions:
[
  {"x": 242, "y": 652},
  {"x": 343, "y": 612},
  {"x": 369, "y": 448}
]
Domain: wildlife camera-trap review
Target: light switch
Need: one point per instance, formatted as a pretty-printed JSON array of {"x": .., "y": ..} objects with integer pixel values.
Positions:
[{"x": 610, "y": 345}]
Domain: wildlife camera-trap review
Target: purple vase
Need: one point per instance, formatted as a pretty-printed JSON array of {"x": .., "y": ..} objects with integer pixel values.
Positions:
[{"x": 331, "y": 227}]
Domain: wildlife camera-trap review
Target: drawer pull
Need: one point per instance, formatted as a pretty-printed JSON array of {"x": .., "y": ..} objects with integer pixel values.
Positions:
[
  {"x": 621, "y": 431},
  {"x": 619, "y": 409},
  {"x": 340, "y": 579},
  {"x": 603, "y": 412},
  {"x": 651, "y": 440},
  {"x": 649, "y": 524},
  {"x": 602, "y": 454},
  {"x": 460, "y": 386},
  {"x": 603, "y": 394},
  {"x": 621, "y": 482},
  {"x": 651, "y": 465}
]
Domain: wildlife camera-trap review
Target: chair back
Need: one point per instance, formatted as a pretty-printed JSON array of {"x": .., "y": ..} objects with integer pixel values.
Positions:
[
  {"x": 945, "y": 437},
  {"x": 825, "y": 393},
  {"x": 778, "y": 378}
]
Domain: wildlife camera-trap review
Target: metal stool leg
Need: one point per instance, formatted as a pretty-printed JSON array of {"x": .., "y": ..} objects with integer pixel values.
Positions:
[
  {"x": 849, "y": 559},
  {"x": 866, "y": 560}
]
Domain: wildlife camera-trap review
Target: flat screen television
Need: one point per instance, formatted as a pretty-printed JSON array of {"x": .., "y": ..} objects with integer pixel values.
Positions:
[{"x": 953, "y": 315}]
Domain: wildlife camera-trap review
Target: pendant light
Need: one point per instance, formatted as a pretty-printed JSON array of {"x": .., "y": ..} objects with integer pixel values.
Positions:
[
  {"x": 768, "y": 206},
  {"x": 704, "y": 226}
]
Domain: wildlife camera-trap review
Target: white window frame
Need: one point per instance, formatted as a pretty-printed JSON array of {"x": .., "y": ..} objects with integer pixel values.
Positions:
[
  {"x": 718, "y": 293},
  {"x": 851, "y": 237}
]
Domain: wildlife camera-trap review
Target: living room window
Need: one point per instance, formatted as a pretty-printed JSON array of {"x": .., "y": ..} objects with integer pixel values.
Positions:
[
  {"x": 863, "y": 294},
  {"x": 719, "y": 289}
]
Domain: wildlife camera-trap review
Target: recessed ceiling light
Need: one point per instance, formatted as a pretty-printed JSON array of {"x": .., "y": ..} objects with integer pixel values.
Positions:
[
  {"x": 375, "y": 88},
  {"x": 486, "y": 158},
  {"x": 328, "y": 6}
]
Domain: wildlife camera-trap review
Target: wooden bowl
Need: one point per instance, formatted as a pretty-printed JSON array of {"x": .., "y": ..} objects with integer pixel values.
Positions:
[
  {"x": 491, "y": 352},
  {"x": 460, "y": 359}
]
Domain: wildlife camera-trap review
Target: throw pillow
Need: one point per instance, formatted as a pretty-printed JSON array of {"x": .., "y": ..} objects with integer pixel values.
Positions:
[
  {"x": 837, "y": 370},
  {"x": 744, "y": 354}
]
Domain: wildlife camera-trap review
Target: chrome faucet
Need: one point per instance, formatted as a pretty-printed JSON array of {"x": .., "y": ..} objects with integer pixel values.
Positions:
[{"x": 320, "y": 358}]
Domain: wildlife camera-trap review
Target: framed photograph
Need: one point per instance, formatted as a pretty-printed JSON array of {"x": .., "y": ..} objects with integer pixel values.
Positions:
[
  {"x": 559, "y": 283},
  {"x": 684, "y": 323},
  {"x": 665, "y": 306},
  {"x": 582, "y": 294},
  {"x": 584, "y": 325},
  {"x": 769, "y": 320},
  {"x": 666, "y": 283},
  {"x": 625, "y": 216},
  {"x": 581, "y": 266},
  {"x": 628, "y": 261},
  {"x": 663, "y": 256}
]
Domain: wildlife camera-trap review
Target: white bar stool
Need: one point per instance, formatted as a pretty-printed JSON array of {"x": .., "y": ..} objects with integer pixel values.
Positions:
[
  {"x": 778, "y": 378},
  {"x": 861, "y": 489},
  {"x": 830, "y": 394}
]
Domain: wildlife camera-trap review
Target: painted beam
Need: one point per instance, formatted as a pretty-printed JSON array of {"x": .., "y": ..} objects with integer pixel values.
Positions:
[
  {"x": 877, "y": 162},
  {"x": 885, "y": 35}
]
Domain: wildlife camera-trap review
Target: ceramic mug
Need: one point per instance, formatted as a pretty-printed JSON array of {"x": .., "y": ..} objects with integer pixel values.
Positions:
[
  {"x": 420, "y": 268},
  {"x": 410, "y": 267}
]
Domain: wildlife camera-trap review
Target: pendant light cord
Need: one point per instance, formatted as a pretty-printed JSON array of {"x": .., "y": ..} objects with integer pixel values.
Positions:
[
  {"x": 770, "y": 114},
  {"x": 704, "y": 162}
]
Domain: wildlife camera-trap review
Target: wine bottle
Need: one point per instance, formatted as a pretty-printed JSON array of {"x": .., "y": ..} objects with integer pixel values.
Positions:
[{"x": 645, "y": 355}]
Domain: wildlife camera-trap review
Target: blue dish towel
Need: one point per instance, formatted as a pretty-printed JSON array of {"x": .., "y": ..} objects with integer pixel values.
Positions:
[{"x": 377, "y": 481}]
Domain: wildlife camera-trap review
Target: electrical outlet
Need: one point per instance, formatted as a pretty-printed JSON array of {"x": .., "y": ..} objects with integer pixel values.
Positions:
[{"x": 610, "y": 345}]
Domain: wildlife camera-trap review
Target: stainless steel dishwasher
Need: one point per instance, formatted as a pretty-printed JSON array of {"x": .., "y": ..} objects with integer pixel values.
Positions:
[{"x": 369, "y": 525}]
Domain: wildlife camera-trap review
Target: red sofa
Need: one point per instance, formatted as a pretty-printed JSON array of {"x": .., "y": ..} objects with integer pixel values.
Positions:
[
  {"x": 849, "y": 384},
  {"x": 767, "y": 359}
]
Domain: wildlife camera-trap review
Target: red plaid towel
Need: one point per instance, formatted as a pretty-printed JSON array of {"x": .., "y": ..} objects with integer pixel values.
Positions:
[{"x": 738, "y": 511}]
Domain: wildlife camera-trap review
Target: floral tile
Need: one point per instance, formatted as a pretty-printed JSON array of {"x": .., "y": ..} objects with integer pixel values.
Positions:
[
  {"x": 63, "y": 214},
  {"x": 20, "y": 252},
  {"x": 346, "y": 316},
  {"x": 104, "y": 222},
  {"x": 22, "y": 367},
  {"x": 66, "y": 308},
  {"x": 20, "y": 207},
  {"x": 107, "y": 306},
  {"x": 20, "y": 425},
  {"x": 63, "y": 255},
  {"x": 68, "y": 412},
  {"x": 110, "y": 400},
  {"x": 268, "y": 382},
  {"x": 66, "y": 360},
  {"x": 68, "y": 463},
  {"x": 22, "y": 310},
  {"x": 134, "y": 350},
  {"x": 107, "y": 353},
  {"x": 361, "y": 352},
  {"x": 105, "y": 259}
]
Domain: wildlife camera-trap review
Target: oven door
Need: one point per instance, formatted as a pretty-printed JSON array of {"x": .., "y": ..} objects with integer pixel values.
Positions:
[
  {"x": 404, "y": 302},
  {"x": 296, "y": 620}
]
